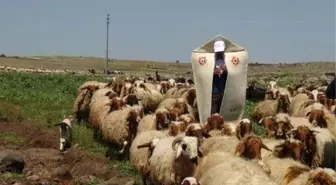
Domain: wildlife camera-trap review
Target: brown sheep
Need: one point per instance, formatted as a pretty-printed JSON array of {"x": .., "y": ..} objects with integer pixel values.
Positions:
[
  {"x": 126, "y": 89},
  {"x": 132, "y": 99},
  {"x": 271, "y": 107},
  {"x": 239, "y": 129},
  {"x": 268, "y": 123},
  {"x": 82, "y": 103}
]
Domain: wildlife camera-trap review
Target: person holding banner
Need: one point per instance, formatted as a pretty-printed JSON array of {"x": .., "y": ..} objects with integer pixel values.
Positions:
[{"x": 219, "y": 76}]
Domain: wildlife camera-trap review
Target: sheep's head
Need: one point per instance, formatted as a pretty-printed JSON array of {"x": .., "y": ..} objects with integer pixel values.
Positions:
[
  {"x": 250, "y": 147},
  {"x": 307, "y": 136},
  {"x": 269, "y": 124},
  {"x": 132, "y": 99},
  {"x": 165, "y": 86},
  {"x": 291, "y": 148},
  {"x": 196, "y": 130},
  {"x": 191, "y": 96},
  {"x": 187, "y": 118},
  {"x": 111, "y": 94},
  {"x": 116, "y": 104},
  {"x": 190, "y": 181},
  {"x": 317, "y": 118},
  {"x": 284, "y": 102},
  {"x": 126, "y": 89},
  {"x": 174, "y": 113},
  {"x": 313, "y": 95},
  {"x": 187, "y": 147},
  {"x": 137, "y": 83},
  {"x": 320, "y": 176},
  {"x": 215, "y": 121},
  {"x": 272, "y": 90},
  {"x": 282, "y": 125},
  {"x": 177, "y": 127},
  {"x": 136, "y": 114},
  {"x": 181, "y": 104},
  {"x": 162, "y": 119},
  {"x": 322, "y": 98},
  {"x": 243, "y": 128},
  {"x": 117, "y": 86}
]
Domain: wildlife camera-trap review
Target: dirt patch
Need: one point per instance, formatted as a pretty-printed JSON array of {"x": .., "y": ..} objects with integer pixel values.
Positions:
[{"x": 44, "y": 163}]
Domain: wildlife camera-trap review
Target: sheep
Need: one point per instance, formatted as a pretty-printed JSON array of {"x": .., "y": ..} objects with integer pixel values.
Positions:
[
  {"x": 120, "y": 127},
  {"x": 319, "y": 143},
  {"x": 150, "y": 97},
  {"x": 283, "y": 123},
  {"x": 179, "y": 103},
  {"x": 172, "y": 82},
  {"x": 102, "y": 94},
  {"x": 126, "y": 89},
  {"x": 239, "y": 128},
  {"x": 271, "y": 107},
  {"x": 235, "y": 170},
  {"x": 273, "y": 91},
  {"x": 81, "y": 107},
  {"x": 296, "y": 103},
  {"x": 189, "y": 96},
  {"x": 308, "y": 106},
  {"x": 173, "y": 159},
  {"x": 164, "y": 87},
  {"x": 132, "y": 99},
  {"x": 147, "y": 123},
  {"x": 139, "y": 155},
  {"x": 92, "y": 83},
  {"x": 313, "y": 95},
  {"x": 323, "y": 119},
  {"x": 100, "y": 108},
  {"x": 65, "y": 130},
  {"x": 302, "y": 176}
]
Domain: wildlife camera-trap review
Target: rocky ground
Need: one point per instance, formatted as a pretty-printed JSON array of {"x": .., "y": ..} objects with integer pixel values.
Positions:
[{"x": 36, "y": 150}]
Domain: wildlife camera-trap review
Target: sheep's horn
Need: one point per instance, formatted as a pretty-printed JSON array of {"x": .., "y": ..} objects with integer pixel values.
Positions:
[
  {"x": 144, "y": 145},
  {"x": 177, "y": 140}
]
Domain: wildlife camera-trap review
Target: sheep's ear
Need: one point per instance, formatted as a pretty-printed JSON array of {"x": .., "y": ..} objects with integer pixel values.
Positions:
[
  {"x": 108, "y": 93},
  {"x": 240, "y": 148},
  {"x": 199, "y": 153},
  {"x": 206, "y": 135}
]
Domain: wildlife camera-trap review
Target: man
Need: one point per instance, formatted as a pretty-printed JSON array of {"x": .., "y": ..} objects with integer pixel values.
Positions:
[
  {"x": 219, "y": 76},
  {"x": 330, "y": 92}
]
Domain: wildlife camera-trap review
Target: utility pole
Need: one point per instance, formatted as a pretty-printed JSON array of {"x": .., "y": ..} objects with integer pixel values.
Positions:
[{"x": 107, "y": 42}]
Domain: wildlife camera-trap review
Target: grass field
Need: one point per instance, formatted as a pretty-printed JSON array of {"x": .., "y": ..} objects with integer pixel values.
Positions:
[{"x": 44, "y": 100}]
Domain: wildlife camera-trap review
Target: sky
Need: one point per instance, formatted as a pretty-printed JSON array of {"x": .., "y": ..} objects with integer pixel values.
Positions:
[{"x": 271, "y": 30}]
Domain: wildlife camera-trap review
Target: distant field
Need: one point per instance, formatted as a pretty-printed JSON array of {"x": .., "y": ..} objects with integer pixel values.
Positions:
[{"x": 149, "y": 67}]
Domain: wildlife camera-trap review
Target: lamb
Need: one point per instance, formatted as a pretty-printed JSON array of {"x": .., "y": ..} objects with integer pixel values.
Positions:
[
  {"x": 120, "y": 127},
  {"x": 139, "y": 155},
  {"x": 271, "y": 107},
  {"x": 65, "y": 130},
  {"x": 150, "y": 97},
  {"x": 173, "y": 159},
  {"x": 319, "y": 143}
]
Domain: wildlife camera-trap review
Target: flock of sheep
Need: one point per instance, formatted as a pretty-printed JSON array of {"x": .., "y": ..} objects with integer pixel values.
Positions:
[{"x": 155, "y": 125}]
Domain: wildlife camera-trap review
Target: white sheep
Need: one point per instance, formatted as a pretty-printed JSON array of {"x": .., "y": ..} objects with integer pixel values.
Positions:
[
  {"x": 141, "y": 149},
  {"x": 319, "y": 142},
  {"x": 150, "y": 97},
  {"x": 173, "y": 159},
  {"x": 296, "y": 103},
  {"x": 120, "y": 127},
  {"x": 65, "y": 130},
  {"x": 231, "y": 170}
]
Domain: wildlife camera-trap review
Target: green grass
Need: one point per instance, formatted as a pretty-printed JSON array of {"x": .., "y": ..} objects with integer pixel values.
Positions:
[
  {"x": 11, "y": 138},
  {"x": 46, "y": 99},
  {"x": 11, "y": 176}
]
